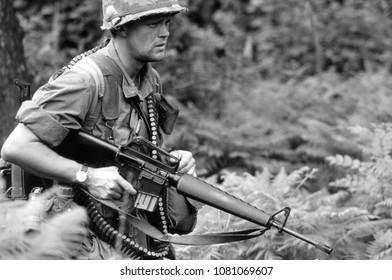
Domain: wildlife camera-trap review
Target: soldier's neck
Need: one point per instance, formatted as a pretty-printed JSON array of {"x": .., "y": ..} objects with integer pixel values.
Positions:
[{"x": 131, "y": 65}]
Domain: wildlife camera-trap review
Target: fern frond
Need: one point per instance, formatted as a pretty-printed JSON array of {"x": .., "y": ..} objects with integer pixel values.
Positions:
[
  {"x": 369, "y": 229},
  {"x": 338, "y": 198},
  {"x": 385, "y": 254},
  {"x": 381, "y": 167},
  {"x": 382, "y": 141},
  {"x": 258, "y": 246},
  {"x": 344, "y": 161},
  {"x": 269, "y": 255},
  {"x": 317, "y": 195},
  {"x": 351, "y": 250},
  {"x": 360, "y": 131},
  {"x": 302, "y": 175},
  {"x": 296, "y": 176},
  {"x": 385, "y": 203},
  {"x": 356, "y": 221},
  {"x": 281, "y": 181},
  {"x": 265, "y": 176},
  {"x": 349, "y": 181},
  {"x": 348, "y": 213},
  {"x": 212, "y": 253},
  {"x": 384, "y": 208},
  {"x": 381, "y": 247},
  {"x": 312, "y": 154},
  {"x": 378, "y": 141}
]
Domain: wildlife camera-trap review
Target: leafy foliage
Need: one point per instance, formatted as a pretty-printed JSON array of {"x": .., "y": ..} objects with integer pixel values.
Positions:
[
  {"x": 300, "y": 37},
  {"x": 270, "y": 193},
  {"x": 267, "y": 124},
  {"x": 56, "y": 31},
  {"x": 367, "y": 189},
  {"x": 27, "y": 232},
  {"x": 354, "y": 215}
]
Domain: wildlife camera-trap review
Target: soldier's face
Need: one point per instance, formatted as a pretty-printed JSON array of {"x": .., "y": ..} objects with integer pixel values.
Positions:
[{"x": 147, "y": 38}]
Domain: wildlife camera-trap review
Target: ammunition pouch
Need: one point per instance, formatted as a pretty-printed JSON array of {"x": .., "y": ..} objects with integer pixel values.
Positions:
[
  {"x": 61, "y": 201},
  {"x": 167, "y": 115}
]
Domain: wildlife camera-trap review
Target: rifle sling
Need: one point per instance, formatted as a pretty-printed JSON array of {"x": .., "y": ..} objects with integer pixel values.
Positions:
[{"x": 204, "y": 239}]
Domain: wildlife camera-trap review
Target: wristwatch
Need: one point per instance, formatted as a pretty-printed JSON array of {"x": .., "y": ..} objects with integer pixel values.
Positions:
[{"x": 81, "y": 175}]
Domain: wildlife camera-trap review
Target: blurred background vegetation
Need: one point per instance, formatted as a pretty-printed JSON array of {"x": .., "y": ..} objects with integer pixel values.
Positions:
[{"x": 263, "y": 85}]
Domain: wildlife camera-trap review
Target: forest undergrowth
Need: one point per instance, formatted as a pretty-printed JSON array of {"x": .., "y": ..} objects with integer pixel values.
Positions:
[{"x": 288, "y": 145}]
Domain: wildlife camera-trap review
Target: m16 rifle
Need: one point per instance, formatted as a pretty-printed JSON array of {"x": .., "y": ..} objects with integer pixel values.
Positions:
[{"x": 156, "y": 175}]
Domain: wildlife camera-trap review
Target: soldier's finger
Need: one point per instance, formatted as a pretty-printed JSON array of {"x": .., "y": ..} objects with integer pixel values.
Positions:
[{"x": 126, "y": 185}]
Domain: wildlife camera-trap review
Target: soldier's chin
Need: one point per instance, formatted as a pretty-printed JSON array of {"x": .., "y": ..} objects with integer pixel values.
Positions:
[{"x": 158, "y": 57}]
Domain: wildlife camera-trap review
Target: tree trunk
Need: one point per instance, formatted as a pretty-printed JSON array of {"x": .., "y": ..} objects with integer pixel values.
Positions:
[{"x": 12, "y": 66}]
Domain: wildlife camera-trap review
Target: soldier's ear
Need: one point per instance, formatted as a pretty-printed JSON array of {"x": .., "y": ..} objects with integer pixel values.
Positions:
[{"x": 121, "y": 32}]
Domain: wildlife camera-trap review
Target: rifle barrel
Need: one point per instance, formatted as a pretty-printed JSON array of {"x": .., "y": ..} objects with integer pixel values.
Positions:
[{"x": 323, "y": 247}]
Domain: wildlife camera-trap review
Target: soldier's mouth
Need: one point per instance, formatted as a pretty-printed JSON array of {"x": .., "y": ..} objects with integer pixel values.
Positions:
[{"x": 163, "y": 44}]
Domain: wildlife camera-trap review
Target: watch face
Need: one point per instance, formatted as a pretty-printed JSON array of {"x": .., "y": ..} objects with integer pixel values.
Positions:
[{"x": 81, "y": 176}]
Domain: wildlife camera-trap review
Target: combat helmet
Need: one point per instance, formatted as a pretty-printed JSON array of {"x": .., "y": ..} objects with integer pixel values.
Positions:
[{"x": 119, "y": 12}]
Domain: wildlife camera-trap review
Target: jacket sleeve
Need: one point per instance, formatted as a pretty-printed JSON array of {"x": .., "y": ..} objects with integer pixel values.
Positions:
[
  {"x": 58, "y": 107},
  {"x": 181, "y": 213}
]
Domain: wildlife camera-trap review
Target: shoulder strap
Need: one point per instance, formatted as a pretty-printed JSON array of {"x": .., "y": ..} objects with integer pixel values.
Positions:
[
  {"x": 106, "y": 103},
  {"x": 108, "y": 66}
]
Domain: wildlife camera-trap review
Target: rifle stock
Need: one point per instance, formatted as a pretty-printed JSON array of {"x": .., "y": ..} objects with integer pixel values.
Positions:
[
  {"x": 18, "y": 188},
  {"x": 157, "y": 174}
]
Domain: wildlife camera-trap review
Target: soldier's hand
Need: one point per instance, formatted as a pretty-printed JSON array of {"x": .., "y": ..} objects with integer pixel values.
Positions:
[
  {"x": 187, "y": 162},
  {"x": 107, "y": 183}
]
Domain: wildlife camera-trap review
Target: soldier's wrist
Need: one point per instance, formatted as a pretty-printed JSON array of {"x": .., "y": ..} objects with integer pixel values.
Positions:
[{"x": 81, "y": 176}]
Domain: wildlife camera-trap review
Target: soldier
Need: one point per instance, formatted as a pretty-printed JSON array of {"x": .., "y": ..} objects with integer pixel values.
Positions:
[{"x": 112, "y": 92}]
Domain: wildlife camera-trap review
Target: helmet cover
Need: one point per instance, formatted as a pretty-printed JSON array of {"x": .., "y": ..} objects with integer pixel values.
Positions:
[{"x": 119, "y": 12}]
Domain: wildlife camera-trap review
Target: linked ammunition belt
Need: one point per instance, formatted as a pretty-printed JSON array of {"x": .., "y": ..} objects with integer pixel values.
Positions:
[{"x": 107, "y": 232}]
